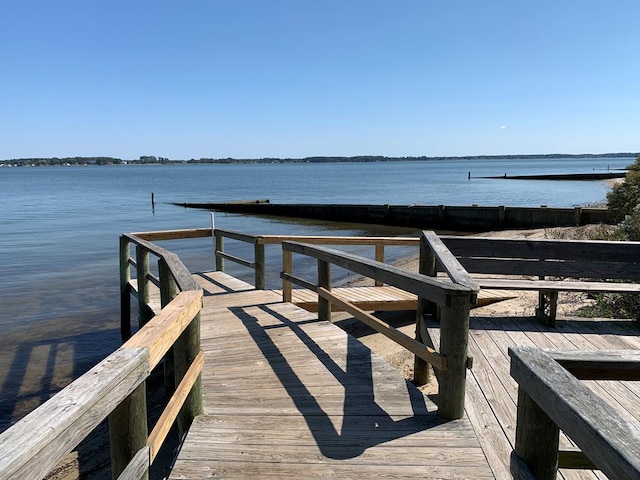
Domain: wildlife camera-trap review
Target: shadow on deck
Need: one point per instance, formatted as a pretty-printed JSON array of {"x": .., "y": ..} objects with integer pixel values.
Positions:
[{"x": 288, "y": 396}]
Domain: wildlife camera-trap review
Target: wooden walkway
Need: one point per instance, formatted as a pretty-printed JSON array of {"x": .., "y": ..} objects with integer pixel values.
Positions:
[{"x": 286, "y": 396}]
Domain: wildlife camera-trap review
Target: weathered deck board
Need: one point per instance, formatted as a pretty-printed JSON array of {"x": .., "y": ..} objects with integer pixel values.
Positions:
[
  {"x": 286, "y": 396},
  {"x": 382, "y": 298},
  {"x": 492, "y": 393}
]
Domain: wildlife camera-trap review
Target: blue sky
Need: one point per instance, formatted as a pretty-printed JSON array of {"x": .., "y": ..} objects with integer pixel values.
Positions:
[{"x": 250, "y": 79}]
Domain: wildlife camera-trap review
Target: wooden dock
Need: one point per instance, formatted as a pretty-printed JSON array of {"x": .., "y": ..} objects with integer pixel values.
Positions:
[
  {"x": 271, "y": 390},
  {"x": 286, "y": 396}
]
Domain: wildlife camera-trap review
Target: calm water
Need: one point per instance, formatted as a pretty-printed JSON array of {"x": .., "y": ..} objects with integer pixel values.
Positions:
[{"x": 59, "y": 305}]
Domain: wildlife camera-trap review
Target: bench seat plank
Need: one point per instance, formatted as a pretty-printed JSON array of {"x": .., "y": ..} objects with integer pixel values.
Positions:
[{"x": 559, "y": 285}]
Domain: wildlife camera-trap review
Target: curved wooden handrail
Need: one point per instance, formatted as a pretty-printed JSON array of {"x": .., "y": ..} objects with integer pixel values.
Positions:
[
  {"x": 36, "y": 444},
  {"x": 181, "y": 274}
]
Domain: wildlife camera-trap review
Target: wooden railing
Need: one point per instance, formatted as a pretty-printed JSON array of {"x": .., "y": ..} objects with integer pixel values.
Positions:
[
  {"x": 453, "y": 318},
  {"x": 259, "y": 242},
  {"x": 453, "y": 299},
  {"x": 172, "y": 275},
  {"x": 552, "y": 398},
  {"x": 114, "y": 388}
]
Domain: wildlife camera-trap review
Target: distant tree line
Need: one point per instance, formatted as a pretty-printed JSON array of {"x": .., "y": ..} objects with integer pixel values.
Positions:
[
  {"x": 380, "y": 158},
  {"x": 154, "y": 160},
  {"x": 55, "y": 161}
]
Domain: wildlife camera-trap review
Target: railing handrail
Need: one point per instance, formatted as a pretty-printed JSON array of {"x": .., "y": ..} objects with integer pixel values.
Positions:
[
  {"x": 259, "y": 241},
  {"x": 37, "y": 443},
  {"x": 179, "y": 271},
  {"x": 432, "y": 288},
  {"x": 319, "y": 239},
  {"x": 448, "y": 261}
]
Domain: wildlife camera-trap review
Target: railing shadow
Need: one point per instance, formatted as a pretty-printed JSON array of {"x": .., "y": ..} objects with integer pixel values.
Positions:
[
  {"x": 30, "y": 380},
  {"x": 365, "y": 423},
  {"x": 30, "y": 369},
  {"x": 225, "y": 289}
]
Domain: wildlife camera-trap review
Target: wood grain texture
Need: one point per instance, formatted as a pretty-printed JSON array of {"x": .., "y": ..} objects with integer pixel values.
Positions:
[
  {"x": 492, "y": 394},
  {"x": 33, "y": 446},
  {"x": 430, "y": 288},
  {"x": 162, "y": 331},
  {"x": 286, "y": 396},
  {"x": 449, "y": 262},
  {"x": 138, "y": 467},
  {"x": 609, "y": 440}
]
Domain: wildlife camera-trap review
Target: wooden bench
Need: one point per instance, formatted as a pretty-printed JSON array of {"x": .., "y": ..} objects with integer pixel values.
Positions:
[
  {"x": 551, "y": 398},
  {"x": 548, "y": 266}
]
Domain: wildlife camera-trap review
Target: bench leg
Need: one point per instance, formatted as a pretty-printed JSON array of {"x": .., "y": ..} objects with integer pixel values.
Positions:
[
  {"x": 537, "y": 440},
  {"x": 547, "y": 307}
]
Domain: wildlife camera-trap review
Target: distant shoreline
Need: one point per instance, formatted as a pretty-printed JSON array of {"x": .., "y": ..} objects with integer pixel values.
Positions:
[{"x": 152, "y": 160}]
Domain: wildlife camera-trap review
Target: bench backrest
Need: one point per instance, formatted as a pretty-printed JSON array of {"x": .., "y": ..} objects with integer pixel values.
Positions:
[{"x": 541, "y": 257}]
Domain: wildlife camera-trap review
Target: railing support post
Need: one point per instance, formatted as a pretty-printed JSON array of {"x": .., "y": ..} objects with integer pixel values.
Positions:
[
  {"x": 128, "y": 430},
  {"x": 125, "y": 291},
  {"x": 219, "y": 248},
  {"x": 537, "y": 438},
  {"x": 185, "y": 350},
  {"x": 168, "y": 291},
  {"x": 142, "y": 273},
  {"x": 324, "y": 281},
  {"x": 454, "y": 341},
  {"x": 260, "y": 266},
  {"x": 427, "y": 266},
  {"x": 287, "y": 269},
  {"x": 379, "y": 257}
]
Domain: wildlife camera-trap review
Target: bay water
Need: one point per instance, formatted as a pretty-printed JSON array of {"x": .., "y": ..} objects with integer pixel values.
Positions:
[{"x": 59, "y": 229}]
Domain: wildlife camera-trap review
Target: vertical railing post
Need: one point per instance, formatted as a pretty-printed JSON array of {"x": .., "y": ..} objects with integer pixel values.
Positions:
[
  {"x": 219, "y": 248},
  {"x": 185, "y": 350},
  {"x": 287, "y": 269},
  {"x": 379, "y": 257},
  {"x": 259, "y": 265},
  {"x": 128, "y": 430},
  {"x": 454, "y": 341},
  {"x": 168, "y": 291},
  {"x": 125, "y": 289},
  {"x": 427, "y": 266},
  {"x": 142, "y": 274},
  {"x": 537, "y": 438},
  {"x": 168, "y": 286},
  {"x": 324, "y": 281}
]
